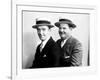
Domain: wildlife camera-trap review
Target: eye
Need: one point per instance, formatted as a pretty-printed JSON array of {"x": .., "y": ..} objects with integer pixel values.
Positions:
[
  {"x": 38, "y": 29},
  {"x": 60, "y": 28},
  {"x": 43, "y": 29},
  {"x": 64, "y": 28}
]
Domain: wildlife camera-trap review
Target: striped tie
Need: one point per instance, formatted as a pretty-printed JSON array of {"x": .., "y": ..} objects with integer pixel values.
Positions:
[
  {"x": 62, "y": 43},
  {"x": 41, "y": 46}
]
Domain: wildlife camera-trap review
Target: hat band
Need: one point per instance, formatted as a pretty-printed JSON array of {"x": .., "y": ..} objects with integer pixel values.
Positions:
[
  {"x": 43, "y": 22},
  {"x": 65, "y": 20}
]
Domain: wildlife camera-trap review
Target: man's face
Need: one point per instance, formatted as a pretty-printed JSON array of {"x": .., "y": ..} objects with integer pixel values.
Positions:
[
  {"x": 43, "y": 32},
  {"x": 64, "y": 31}
]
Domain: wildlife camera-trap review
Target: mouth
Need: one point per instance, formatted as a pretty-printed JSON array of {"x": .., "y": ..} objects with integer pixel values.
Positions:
[
  {"x": 41, "y": 36},
  {"x": 61, "y": 33}
]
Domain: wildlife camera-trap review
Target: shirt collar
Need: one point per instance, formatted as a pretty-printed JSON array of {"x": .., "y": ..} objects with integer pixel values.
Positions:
[
  {"x": 64, "y": 41},
  {"x": 66, "y": 38},
  {"x": 45, "y": 41}
]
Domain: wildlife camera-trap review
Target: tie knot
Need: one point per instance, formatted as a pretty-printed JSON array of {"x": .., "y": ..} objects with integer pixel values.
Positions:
[
  {"x": 41, "y": 44},
  {"x": 62, "y": 43}
]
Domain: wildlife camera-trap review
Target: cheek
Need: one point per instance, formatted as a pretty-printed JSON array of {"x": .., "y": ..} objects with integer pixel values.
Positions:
[
  {"x": 62, "y": 32},
  {"x": 45, "y": 33},
  {"x": 38, "y": 32}
]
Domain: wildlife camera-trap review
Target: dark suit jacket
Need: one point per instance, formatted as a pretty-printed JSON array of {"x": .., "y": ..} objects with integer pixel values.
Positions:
[
  {"x": 49, "y": 57},
  {"x": 72, "y": 50}
]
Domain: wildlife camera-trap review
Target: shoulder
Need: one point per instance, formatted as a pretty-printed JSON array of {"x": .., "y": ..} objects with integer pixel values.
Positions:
[
  {"x": 75, "y": 43},
  {"x": 58, "y": 41},
  {"x": 38, "y": 46},
  {"x": 51, "y": 41},
  {"x": 74, "y": 40},
  {"x": 53, "y": 44}
]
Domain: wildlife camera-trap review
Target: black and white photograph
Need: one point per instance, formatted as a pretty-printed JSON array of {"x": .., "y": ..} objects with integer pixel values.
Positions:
[
  {"x": 50, "y": 40},
  {"x": 54, "y": 39}
]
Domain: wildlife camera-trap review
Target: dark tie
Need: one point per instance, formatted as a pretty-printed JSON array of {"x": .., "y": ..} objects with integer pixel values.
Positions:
[{"x": 41, "y": 46}]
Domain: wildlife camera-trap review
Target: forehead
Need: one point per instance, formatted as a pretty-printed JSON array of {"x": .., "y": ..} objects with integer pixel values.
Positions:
[
  {"x": 42, "y": 27},
  {"x": 64, "y": 25}
]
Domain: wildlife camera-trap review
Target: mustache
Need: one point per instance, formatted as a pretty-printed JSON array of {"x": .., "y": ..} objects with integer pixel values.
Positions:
[
  {"x": 40, "y": 35},
  {"x": 61, "y": 32}
]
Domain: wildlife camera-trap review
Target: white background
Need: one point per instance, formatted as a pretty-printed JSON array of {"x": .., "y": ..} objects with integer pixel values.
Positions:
[{"x": 5, "y": 38}]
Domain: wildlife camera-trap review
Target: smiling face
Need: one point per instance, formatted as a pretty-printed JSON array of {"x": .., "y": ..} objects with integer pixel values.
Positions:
[
  {"x": 64, "y": 31},
  {"x": 43, "y": 32}
]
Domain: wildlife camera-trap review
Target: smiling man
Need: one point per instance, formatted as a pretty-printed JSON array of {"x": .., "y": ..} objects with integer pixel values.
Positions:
[
  {"x": 47, "y": 53},
  {"x": 70, "y": 48}
]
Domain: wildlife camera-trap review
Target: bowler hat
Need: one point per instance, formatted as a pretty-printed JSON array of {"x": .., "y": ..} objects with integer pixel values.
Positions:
[
  {"x": 42, "y": 22},
  {"x": 65, "y": 21}
]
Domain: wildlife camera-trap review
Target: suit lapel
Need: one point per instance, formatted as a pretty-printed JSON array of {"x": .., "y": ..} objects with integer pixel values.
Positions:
[
  {"x": 67, "y": 43},
  {"x": 45, "y": 49}
]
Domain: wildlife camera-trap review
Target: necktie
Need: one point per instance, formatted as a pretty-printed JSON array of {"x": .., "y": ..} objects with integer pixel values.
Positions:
[
  {"x": 62, "y": 43},
  {"x": 41, "y": 46}
]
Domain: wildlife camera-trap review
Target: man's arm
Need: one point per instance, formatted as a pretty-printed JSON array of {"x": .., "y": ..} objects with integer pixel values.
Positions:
[{"x": 76, "y": 57}]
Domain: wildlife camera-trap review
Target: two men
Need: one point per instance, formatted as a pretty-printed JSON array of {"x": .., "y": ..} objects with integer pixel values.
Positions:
[{"x": 65, "y": 52}]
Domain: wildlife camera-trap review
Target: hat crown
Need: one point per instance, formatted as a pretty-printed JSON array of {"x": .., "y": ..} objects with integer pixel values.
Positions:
[
  {"x": 42, "y": 18},
  {"x": 42, "y": 21},
  {"x": 65, "y": 20}
]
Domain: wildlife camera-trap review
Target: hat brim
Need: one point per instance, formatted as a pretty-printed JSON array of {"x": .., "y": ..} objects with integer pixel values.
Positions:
[
  {"x": 37, "y": 25},
  {"x": 70, "y": 24}
]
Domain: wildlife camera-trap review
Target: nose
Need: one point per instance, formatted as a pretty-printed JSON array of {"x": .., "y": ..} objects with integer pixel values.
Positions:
[
  {"x": 61, "y": 30},
  {"x": 40, "y": 32}
]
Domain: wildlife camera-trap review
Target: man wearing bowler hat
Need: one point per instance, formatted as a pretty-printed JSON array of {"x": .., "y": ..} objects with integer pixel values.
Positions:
[
  {"x": 47, "y": 52},
  {"x": 70, "y": 48}
]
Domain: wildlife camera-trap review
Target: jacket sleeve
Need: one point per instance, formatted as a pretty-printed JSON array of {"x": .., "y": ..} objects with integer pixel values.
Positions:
[{"x": 76, "y": 57}]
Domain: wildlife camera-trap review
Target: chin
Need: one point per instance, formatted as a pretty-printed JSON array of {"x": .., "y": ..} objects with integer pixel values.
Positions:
[
  {"x": 42, "y": 39},
  {"x": 63, "y": 37}
]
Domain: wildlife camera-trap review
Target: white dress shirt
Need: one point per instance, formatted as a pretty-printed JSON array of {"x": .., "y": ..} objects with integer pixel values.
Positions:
[
  {"x": 64, "y": 41},
  {"x": 43, "y": 43}
]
